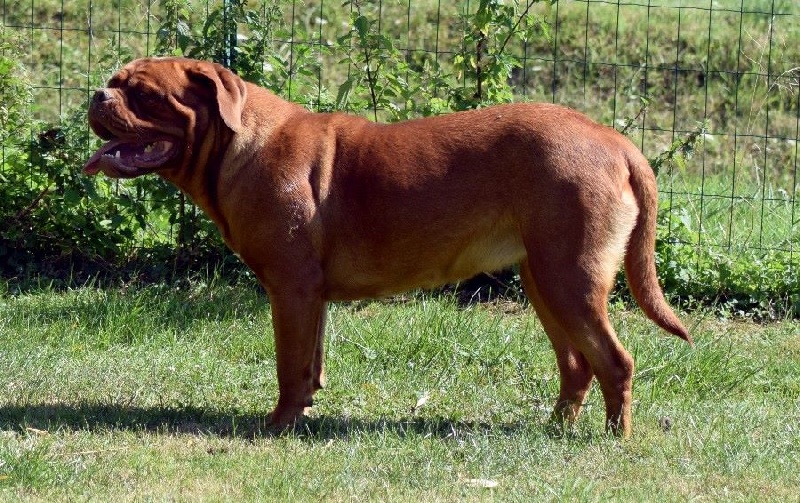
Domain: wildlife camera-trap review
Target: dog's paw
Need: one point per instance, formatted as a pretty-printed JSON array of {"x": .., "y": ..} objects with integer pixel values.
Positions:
[{"x": 285, "y": 417}]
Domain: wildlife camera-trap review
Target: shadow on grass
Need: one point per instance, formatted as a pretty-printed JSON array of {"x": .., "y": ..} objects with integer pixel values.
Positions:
[{"x": 192, "y": 420}]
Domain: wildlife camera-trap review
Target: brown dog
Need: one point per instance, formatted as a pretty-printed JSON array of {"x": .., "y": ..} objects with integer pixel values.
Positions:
[{"x": 328, "y": 207}]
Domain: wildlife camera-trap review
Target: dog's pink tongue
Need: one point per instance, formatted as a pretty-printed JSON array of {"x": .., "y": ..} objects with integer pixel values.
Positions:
[
  {"x": 92, "y": 166},
  {"x": 95, "y": 163}
]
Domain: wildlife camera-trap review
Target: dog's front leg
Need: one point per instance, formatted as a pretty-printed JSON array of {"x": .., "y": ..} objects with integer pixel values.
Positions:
[
  {"x": 319, "y": 354},
  {"x": 298, "y": 322}
]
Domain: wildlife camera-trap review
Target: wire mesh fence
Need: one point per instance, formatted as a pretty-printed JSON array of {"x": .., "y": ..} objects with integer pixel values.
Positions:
[{"x": 709, "y": 87}]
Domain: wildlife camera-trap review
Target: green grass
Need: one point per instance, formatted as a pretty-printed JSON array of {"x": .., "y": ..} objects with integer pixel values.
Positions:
[{"x": 157, "y": 393}]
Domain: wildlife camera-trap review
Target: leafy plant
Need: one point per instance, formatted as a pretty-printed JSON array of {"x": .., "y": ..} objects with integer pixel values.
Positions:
[
  {"x": 380, "y": 79},
  {"x": 485, "y": 59},
  {"x": 50, "y": 214}
]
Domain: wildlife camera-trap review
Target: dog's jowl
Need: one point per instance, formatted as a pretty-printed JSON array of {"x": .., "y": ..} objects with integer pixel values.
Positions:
[{"x": 327, "y": 207}]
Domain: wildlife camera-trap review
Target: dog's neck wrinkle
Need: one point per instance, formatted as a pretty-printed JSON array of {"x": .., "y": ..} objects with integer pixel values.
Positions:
[
  {"x": 213, "y": 172},
  {"x": 200, "y": 181}
]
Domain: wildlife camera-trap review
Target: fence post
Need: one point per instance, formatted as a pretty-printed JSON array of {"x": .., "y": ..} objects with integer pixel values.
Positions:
[{"x": 230, "y": 31}]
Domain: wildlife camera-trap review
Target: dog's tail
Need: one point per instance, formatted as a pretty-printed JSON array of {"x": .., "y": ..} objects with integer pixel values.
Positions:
[{"x": 640, "y": 266}]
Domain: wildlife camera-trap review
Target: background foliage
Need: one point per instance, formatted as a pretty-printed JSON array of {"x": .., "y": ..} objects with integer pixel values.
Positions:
[{"x": 707, "y": 89}]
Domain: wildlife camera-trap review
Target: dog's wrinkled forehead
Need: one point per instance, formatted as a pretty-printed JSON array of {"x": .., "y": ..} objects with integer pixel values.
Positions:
[{"x": 163, "y": 74}]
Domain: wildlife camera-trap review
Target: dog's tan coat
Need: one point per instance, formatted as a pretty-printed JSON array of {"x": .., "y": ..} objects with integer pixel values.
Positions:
[{"x": 328, "y": 207}]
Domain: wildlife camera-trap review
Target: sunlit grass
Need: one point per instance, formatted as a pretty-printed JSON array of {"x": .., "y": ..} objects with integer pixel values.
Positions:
[{"x": 161, "y": 393}]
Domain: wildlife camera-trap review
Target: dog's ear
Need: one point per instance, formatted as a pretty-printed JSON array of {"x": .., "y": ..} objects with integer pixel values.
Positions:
[{"x": 230, "y": 92}]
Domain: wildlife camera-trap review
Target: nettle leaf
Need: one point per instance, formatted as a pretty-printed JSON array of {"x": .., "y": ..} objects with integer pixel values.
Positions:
[
  {"x": 386, "y": 43},
  {"x": 72, "y": 197},
  {"x": 343, "y": 96},
  {"x": 361, "y": 25},
  {"x": 183, "y": 29}
]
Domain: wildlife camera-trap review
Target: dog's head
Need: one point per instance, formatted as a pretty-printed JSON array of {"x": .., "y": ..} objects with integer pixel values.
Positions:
[{"x": 156, "y": 112}]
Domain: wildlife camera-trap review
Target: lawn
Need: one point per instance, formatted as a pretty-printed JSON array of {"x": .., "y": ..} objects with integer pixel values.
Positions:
[{"x": 160, "y": 393}]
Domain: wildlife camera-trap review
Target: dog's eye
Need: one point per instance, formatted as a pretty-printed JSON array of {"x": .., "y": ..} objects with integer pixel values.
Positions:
[{"x": 147, "y": 98}]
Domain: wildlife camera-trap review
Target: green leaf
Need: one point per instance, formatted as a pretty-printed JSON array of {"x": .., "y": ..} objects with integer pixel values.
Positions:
[
  {"x": 361, "y": 25},
  {"x": 72, "y": 197},
  {"x": 343, "y": 96}
]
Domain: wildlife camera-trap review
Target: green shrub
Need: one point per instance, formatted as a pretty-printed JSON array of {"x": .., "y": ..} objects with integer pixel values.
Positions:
[{"x": 50, "y": 214}]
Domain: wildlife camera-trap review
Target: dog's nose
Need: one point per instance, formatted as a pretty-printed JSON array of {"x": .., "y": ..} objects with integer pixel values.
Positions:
[{"x": 102, "y": 95}]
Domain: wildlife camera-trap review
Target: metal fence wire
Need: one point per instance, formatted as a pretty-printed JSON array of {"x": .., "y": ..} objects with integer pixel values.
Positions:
[{"x": 709, "y": 85}]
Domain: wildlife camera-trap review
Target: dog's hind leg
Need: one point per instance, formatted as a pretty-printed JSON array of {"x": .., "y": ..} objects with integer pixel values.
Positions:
[
  {"x": 570, "y": 292},
  {"x": 575, "y": 372}
]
